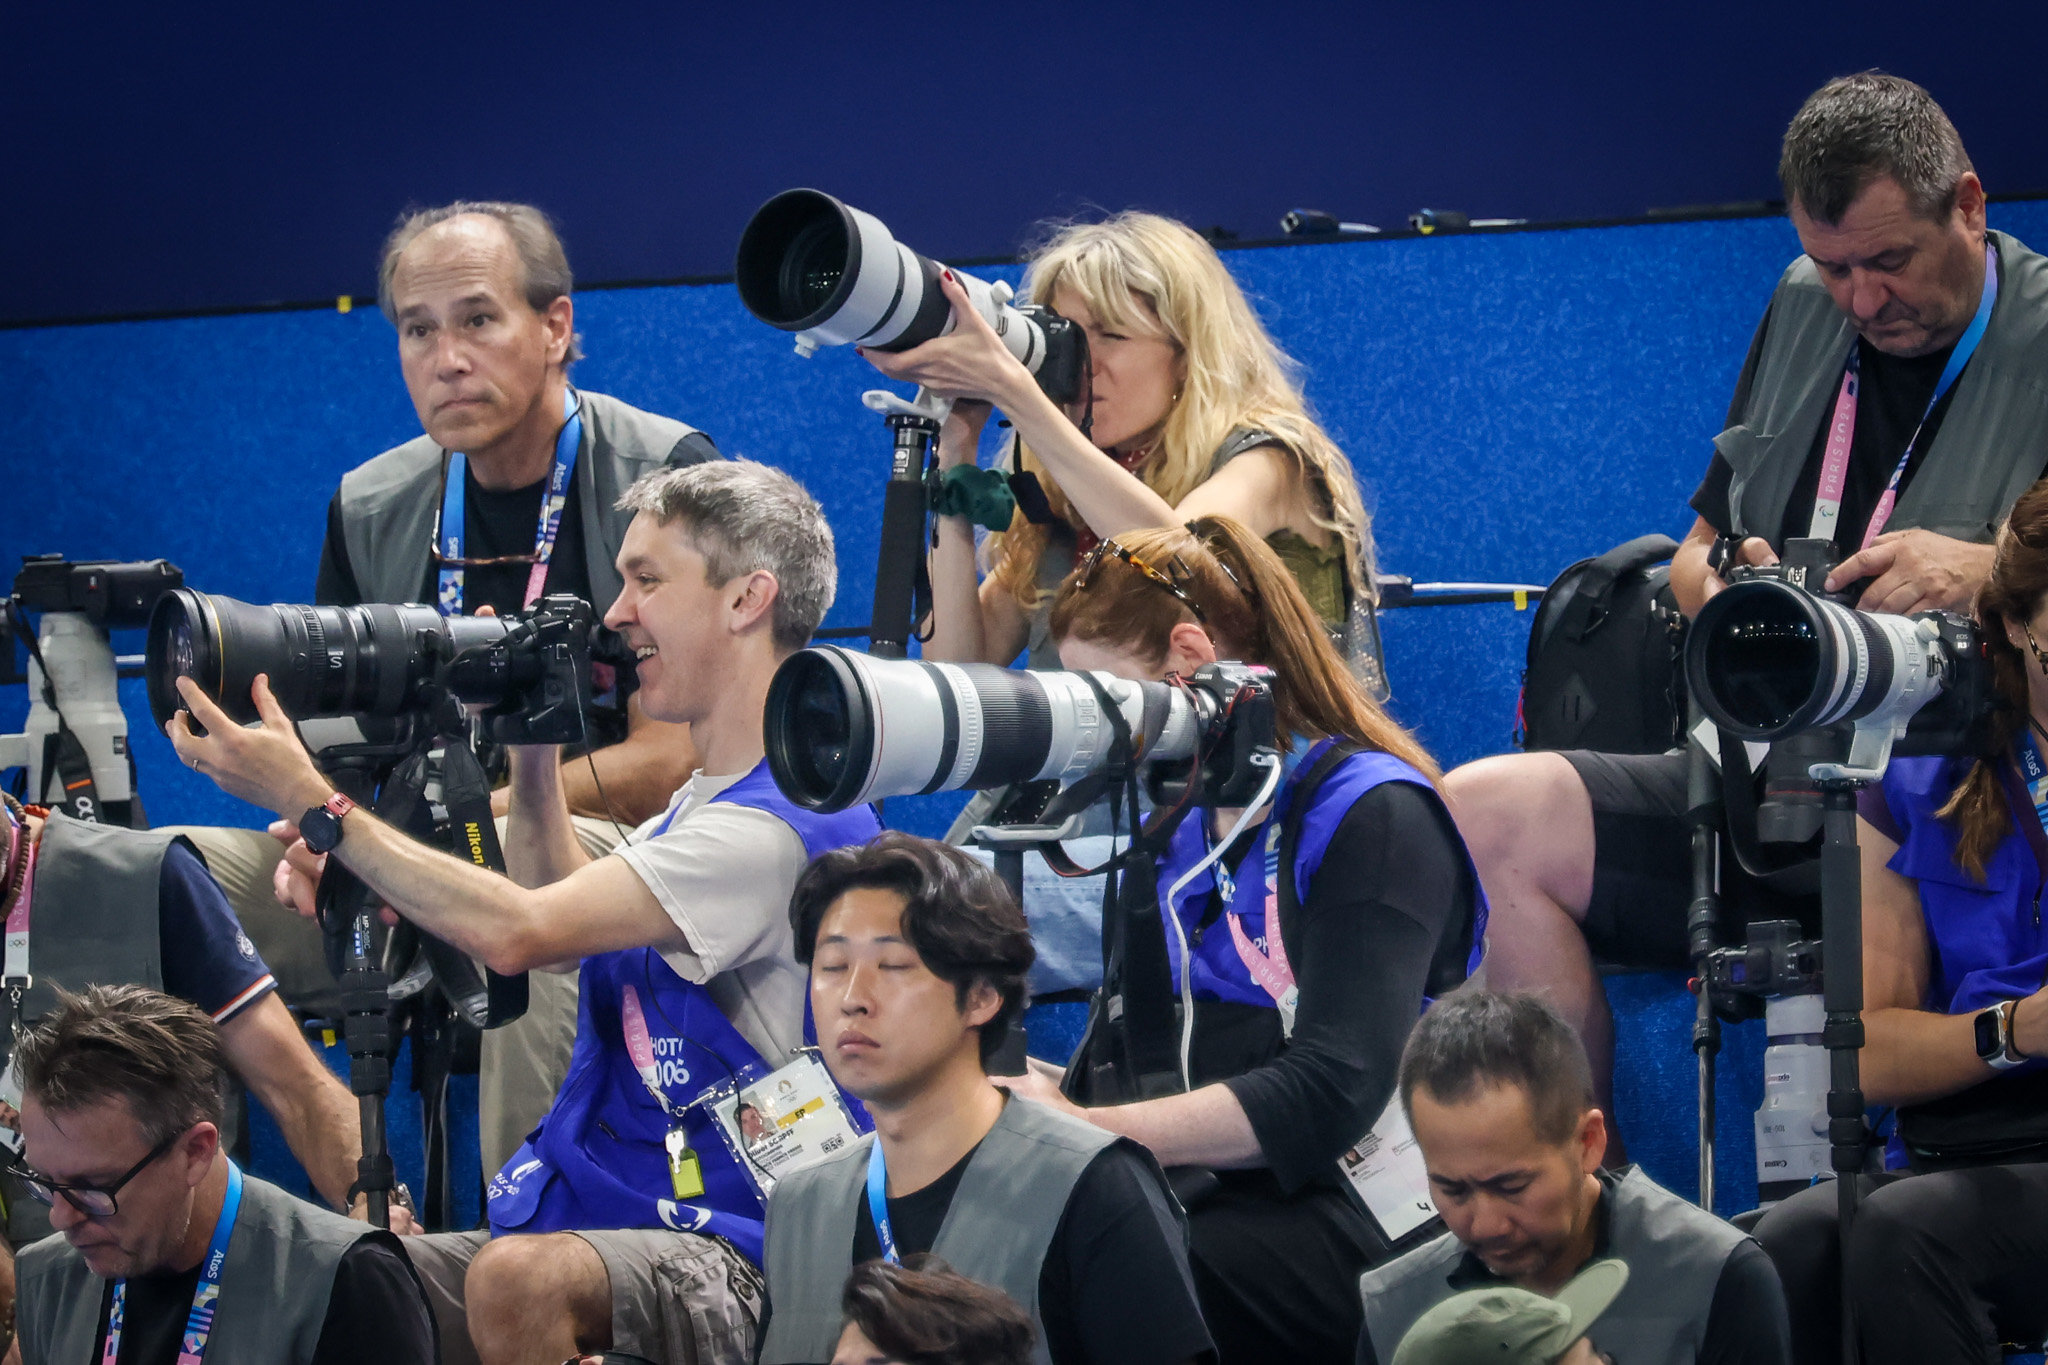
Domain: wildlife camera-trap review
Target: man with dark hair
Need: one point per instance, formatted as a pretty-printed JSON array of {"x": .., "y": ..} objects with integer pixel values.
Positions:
[
  {"x": 918, "y": 955},
  {"x": 922, "y": 1310},
  {"x": 511, "y": 493},
  {"x": 165, "y": 1248},
  {"x": 1891, "y": 407},
  {"x": 625, "y": 1221},
  {"x": 1500, "y": 1098}
]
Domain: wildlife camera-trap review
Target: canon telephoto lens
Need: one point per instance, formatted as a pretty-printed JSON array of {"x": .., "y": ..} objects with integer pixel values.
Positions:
[
  {"x": 321, "y": 661},
  {"x": 843, "y": 728},
  {"x": 1766, "y": 659}
]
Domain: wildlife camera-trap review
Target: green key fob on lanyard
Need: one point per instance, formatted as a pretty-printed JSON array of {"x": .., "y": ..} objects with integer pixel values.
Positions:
[{"x": 685, "y": 1170}]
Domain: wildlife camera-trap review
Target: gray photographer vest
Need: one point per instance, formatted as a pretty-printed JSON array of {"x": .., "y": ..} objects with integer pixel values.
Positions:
[
  {"x": 996, "y": 1231},
  {"x": 1674, "y": 1251},
  {"x": 388, "y": 505},
  {"x": 93, "y": 919},
  {"x": 273, "y": 1291},
  {"x": 1991, "y": 444}
]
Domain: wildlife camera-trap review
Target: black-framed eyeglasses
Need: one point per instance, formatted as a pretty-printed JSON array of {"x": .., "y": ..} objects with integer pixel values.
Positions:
[
  {"x": 94, "y": 1201},
  {"x": 1093, "y": 560}
]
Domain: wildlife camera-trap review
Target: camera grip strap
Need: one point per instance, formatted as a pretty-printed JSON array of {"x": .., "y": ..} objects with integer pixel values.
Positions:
[{"x": 466, "y": 792}]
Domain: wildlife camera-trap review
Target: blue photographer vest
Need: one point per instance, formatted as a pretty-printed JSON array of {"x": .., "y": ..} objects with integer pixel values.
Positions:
[
  {"x": 1985, "y": 942},
  {"x": 1217, "y": 967},
  {"x": 597, "y": 1160}
]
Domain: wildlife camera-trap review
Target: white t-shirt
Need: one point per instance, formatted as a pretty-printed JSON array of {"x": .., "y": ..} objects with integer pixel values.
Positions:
[{"x": 724, "y": 874}]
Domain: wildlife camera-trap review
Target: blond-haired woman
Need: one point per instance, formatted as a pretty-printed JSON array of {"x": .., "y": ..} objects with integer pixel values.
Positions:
[{"x": 1193, "y": 411}]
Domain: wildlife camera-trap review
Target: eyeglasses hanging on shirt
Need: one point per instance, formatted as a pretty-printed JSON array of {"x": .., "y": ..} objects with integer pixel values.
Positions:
[
  {"x": 1834, "y": 469},
  {"x": 449, "y": 525}
]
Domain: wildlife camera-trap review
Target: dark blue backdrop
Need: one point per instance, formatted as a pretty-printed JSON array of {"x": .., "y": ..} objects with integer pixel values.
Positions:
[
  {"x": 176, "y": 157},
  {"x": 1512, "y": 403}
]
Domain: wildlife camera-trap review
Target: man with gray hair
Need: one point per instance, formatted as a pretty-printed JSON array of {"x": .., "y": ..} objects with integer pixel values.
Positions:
[
  {"x": 1891, "y": 406},
  {"x": 627, "y": 1220},
  {"x": 1501, "y": 1102},
  {"x": 511, "y": 493}
]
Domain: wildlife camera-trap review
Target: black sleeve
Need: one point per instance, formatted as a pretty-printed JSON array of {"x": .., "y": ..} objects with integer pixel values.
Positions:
[
  {"x": 377, "y": 1310},
  {"x": 1115, "y": 1286},
  {"x": 1391, "y": 879},
  {"x": 695, "y": 448},
  {"x": 336, "y": 584},
  {"x": 1710, "y": 499},
  {"x": 1746, "y": 1324}
]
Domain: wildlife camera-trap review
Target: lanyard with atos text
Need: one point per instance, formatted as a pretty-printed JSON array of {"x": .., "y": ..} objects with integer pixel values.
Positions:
[
  {"x": 198, "y": 1322},
  {"x": 455, "y": 478}
]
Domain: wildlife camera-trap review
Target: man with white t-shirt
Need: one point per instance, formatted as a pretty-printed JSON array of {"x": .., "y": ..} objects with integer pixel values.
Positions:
[{"x": 626, "y": 1222}]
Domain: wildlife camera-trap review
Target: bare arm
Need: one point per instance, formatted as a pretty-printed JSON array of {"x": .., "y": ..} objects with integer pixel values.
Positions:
[
  {"x": 1205, "y": 1127},
  {"x": 319, "y": 1117},
  {"x": 1692, "y": 582},
  {"x": 639, "y": 774},
  {"x": 600, "y": 907},
  {"x": 972, "y": 621},
  {"x": 541, "y": 846},
  {"x": 1910, "y": 1054}
]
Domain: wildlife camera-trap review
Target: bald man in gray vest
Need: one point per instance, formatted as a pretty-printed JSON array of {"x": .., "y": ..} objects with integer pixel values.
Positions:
[
  {"x": 512, "y": 492},
  {"x": 1891, "y": 405}
]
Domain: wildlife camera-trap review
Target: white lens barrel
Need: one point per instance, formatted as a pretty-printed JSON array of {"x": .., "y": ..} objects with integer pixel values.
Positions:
[{"x": 883, "y": 274}]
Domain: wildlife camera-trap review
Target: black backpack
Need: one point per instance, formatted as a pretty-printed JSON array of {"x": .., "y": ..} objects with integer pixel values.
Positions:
[{"x": 1606, "y": 656}]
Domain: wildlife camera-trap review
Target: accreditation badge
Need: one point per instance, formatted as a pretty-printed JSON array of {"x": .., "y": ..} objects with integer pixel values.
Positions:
[
  {"x": 782, "y": 1122},
  {"x": 1385, "y": 1170}
]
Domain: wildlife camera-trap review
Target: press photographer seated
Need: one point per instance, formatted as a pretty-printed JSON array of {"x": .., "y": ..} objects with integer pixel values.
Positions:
[
  {"x": 918, "y": 955},
  {"x": 1948, "y": 1258},
  {"x": 1501, "y": 1098},
  {"x": 163, "y": 1248},
  {"x": 1297, "y": 1025},
  {"x": 111, "y": 905},
  {"x": 682, "y": 932}
]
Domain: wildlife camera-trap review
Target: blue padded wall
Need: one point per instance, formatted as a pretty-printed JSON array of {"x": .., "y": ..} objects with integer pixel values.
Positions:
[{"x": 1512, "y": 402}]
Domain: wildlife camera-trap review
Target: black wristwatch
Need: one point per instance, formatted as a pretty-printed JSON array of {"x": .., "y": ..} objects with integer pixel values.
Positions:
[
  {"x": 320, "y": 826},
  {"x": 1993, "y": 1029}
]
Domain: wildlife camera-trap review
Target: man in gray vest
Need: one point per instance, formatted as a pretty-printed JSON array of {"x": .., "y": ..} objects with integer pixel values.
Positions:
[
  {"x": 164, "y": 1250},
  {"x": 1500, "y": 1098},
  {"x": 90, "y": 903},
  {"x": 918, "y": 955},
  {"x": 511, "y": 492},
  {"x": 1890, "y": 405}
]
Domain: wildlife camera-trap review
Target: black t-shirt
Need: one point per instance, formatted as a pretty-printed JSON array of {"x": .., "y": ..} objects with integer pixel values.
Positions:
[
  {"x": 1746, "y": 1321},
  {"x": 375, "y": 1312},
  {"x": 494, "y": 522},
  {"x": 1115, "y": 1286},
  {"x": 1392, "y": 880},
  {"x": 1890, "y": 399}
]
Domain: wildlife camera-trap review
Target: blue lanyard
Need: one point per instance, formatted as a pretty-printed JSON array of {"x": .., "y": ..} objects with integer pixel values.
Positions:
[
  {"x": 1959, "y": 357},
  {"x": 449, "y": 595},
  {"x": 199, "y": 1322},
  {"x": 878, "y": 1203},
  {"x": 2034, "y": 773}
]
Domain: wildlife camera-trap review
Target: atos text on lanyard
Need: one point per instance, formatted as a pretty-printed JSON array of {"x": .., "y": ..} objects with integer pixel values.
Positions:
[
  {"x": 449, "y": 589},
  {"x": 1834, "y": 468},
  {"x": 199, "y": 1322}
]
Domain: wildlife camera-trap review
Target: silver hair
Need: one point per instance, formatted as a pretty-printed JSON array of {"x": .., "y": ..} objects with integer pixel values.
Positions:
[
  {"x": 1856, "y": 128},
  {"x": 542, "y": 261},
  {"x": 743, "y": 516}
]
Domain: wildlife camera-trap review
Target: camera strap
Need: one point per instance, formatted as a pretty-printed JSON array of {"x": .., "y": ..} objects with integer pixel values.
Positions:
[
  {"x": 449, "y": 534},
  {"x": 78, "y": 795},
  {"x": 1834, "y": 468}
]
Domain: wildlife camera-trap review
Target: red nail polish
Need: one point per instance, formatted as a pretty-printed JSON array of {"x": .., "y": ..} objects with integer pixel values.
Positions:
[{"x": 949, "y": 275}]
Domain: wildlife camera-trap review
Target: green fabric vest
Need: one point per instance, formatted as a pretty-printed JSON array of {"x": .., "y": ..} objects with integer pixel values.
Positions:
[
  {"x": 1674, "y": 1251},
  {"x": 1991, "y": 445},
  {"x": 273, "y": 1292},
  {"x": 996, "y": 1231},
  {"x": 388, "y": 505}
]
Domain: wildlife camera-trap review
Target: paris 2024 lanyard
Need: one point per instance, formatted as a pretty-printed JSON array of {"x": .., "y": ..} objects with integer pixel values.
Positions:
[
  {"x": 454, "y": 480},
  {"x": 199, "y": 1322},
  {"x": 1834, "y": 469}
]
